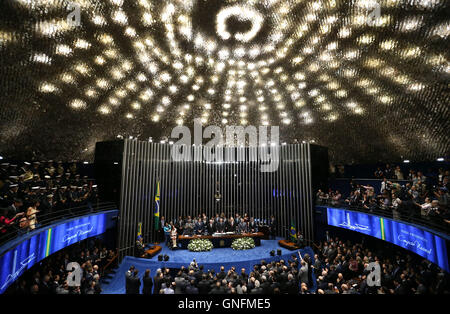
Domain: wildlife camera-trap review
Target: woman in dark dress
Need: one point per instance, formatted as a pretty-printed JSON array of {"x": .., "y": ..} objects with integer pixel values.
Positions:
[{"x": 147, "y": 283}]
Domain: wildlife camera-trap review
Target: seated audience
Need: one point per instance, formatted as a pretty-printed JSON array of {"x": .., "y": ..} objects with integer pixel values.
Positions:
[
  {"x": 423, "y": 199},
  {"x": 40, "y": 191}
]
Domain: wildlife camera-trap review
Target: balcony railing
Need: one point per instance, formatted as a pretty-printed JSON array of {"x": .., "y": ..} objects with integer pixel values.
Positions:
[
  {"x": 438, "y": 223},
  {"x": 50, "y": 218}
]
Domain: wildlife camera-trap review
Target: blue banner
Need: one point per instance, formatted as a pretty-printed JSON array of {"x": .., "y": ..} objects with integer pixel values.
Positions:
[
  {"x": 415, "y": 239},
  {"x": 48, "y": 241}
]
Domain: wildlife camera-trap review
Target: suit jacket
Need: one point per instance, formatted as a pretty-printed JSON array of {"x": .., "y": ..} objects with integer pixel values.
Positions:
[
  {"x": 231, "y": 227},
  {"x": 192, "y": 290},
  {"x": 180, "y": 283},
  {"x": 266, "y": 287},
  {"x": 211, "y": 228},
  {"x": 243, "y": 277},
  {"x": 274, "y": 285},
  {"x": 147, "y": 285},
  {"x": 257, "y": 291},
  {"x": 127, "y": 281},
  {"x": 134, "y": 286},
  {"x": 198, "y": 275},
  {"x": 252, "y": 225},
  {"x": 158, "y": 282},
  {"x": 221, "y": 275},
  {"x": 204, "y": 287},
  {"x": 273, "y": 225},
  {"x": 243, "y": 228},
  {"x": 216, "y": 290},
  {"x": 198, "y": 228},
  {"x": 220, "y": 227},
  {"x": 12, "y": 211},
  {"x": 303, "y": 274}
]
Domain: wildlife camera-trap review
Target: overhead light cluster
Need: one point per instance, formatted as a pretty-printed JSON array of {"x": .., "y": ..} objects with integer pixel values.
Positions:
[{"x": 313, "y": 67}]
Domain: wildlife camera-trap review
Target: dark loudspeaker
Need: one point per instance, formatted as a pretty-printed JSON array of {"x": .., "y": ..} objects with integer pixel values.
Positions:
[
  {"x": 272, "y": 253},
  {"x": 279, "y": 252},
  {"x": 108, "y": 169},
  {"x": 166, "y": 258},
  {"x": 160, "y": 257}
]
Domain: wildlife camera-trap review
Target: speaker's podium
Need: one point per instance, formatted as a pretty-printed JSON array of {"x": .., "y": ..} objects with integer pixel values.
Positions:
[{"x": 287, "y": 244}]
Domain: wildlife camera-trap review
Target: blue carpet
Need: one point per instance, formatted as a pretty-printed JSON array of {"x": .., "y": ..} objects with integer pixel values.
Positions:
[{"x": 226, "y": 257}]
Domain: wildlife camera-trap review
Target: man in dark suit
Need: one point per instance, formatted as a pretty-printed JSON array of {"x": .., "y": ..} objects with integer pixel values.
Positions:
[
  {"x": 220, "y": 226},
  {"x": 257, "y": 289},
  {"x": 204, "y": 286},
  {"x": 167, "y": 277},
  {"x": 179, "y": 224},
  {"x": 222, "y": 274},
  {"x": 218, "y": 289},
  {"x": 273, "y": 227},
  {"x": 189, "y": 227},
  {"x": 14, "y": 208},
  {"x": 199, "y": 274},
  {"x": 252, "y": 225},
  {"x": 275, "y": 284},
  {"x": 243, "y": 276},
  {"x": 135, "y": 283},
  {"x": 128, "y": 276},
  {"x": 45, "y": 286},
  {"x": 211, "y": 228},
  {"x": 231, "y": 226},
  {"x": 158, "y": 280},
  {"x": 198, "y": 228},
  {"x": 191, "y": 288},
  {"x": 332, "y": 275},
  {"x": 238, "y": 219},
  {"x": 147, "y": 283},
  {"x": 180, "y": 283},
  {"x": 242, "y": 228},
  {"x": 265, "y": 285}
]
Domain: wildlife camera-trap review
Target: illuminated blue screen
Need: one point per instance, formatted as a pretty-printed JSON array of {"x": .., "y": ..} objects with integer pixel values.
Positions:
[
  {"x": 48, "y": 241},
  {"x": 412, "y": 238}
]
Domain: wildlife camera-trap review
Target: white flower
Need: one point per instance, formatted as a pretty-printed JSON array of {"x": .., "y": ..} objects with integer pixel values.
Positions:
[
  {"x": 200, "y": 245},
  {"x": 243, "y": 244}
]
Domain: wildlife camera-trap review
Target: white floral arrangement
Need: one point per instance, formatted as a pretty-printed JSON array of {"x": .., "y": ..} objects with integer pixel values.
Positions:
[
  {"x": 243, "y": 244},
  {"x": 200, "y": 245}
]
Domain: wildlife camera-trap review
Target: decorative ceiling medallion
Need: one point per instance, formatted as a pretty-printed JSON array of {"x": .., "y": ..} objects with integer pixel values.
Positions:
[{"x": 242, "y": 13}]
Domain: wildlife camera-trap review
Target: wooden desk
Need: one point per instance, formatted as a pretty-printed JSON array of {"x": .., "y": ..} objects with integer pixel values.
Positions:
[
  {"x": 288, "y": 245},
  {"x": 152, "y": 251},
  {"x": 223, "y": 240}
]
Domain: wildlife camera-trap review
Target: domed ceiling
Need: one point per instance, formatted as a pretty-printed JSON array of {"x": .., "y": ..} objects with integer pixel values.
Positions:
[{"x": 368, "y": 79}]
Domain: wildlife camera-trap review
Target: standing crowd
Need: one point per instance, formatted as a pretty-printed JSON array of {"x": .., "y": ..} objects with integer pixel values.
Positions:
[
  {"x": 341, "y": 267},
  {"x": 279, "y": 277},
  {"x": 337, "y": 267},
  {"x": 51, "y": 276}
]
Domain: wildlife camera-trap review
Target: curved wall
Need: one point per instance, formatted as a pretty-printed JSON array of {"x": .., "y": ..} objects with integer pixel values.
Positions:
[
  {"x": 420, "y": 240},
  {"x": 22, "y": 253}
]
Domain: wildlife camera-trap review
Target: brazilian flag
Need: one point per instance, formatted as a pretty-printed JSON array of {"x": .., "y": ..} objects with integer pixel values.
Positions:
[
  {"x": 139, "y": 233},
  {"x": 293, "y": 232},
  {"x": 157, "y": 197}
]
